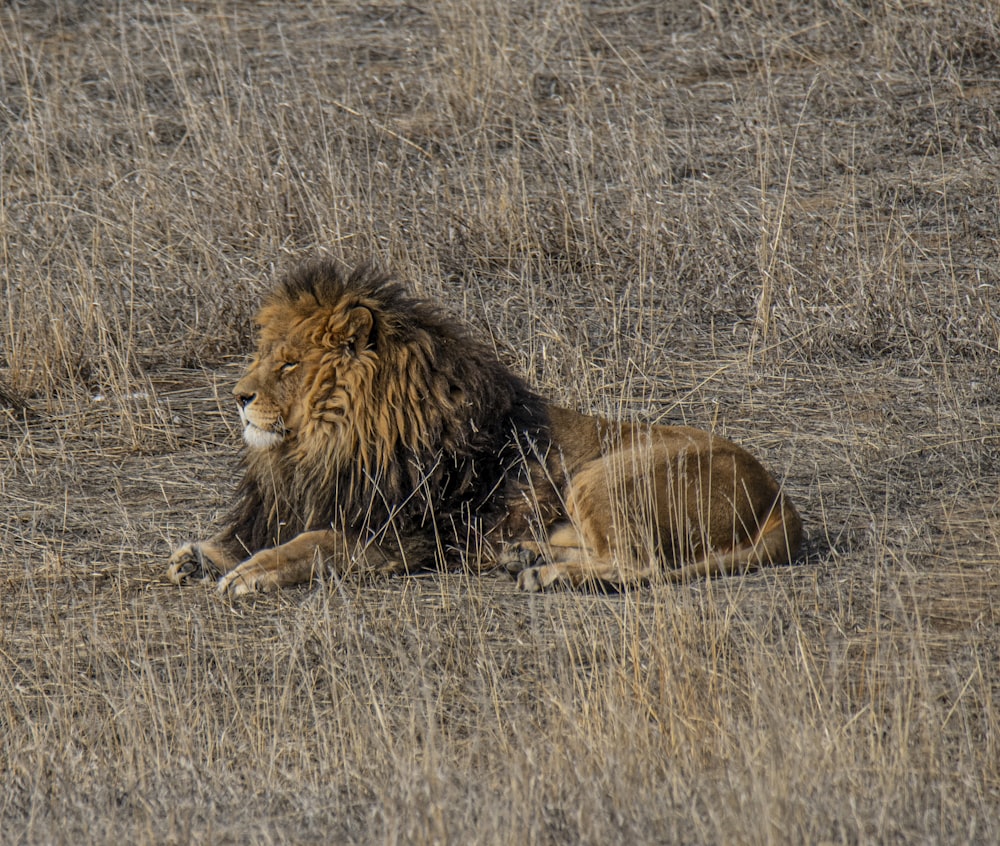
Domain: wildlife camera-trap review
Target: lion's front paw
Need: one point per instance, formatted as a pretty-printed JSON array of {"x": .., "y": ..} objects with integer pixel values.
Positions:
[
  {"x": 269, "y": 569},
  {"x": 254, "y": 575},
  {"x": 193, "y": 562}
]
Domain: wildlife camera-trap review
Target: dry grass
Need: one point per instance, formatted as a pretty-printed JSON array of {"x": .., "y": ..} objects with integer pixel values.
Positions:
[{"x": 775, "y": 218}]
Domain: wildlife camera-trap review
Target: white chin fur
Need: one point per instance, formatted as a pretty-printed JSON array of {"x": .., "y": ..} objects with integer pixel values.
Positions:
[{"x": 257, "y": 438}]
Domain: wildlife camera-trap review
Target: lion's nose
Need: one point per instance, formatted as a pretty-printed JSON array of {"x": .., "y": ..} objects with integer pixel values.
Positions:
[{"x": 245, "y": 399}]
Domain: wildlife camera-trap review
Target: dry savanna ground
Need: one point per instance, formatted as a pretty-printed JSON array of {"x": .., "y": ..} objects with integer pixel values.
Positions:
[{"x": 777, "y": 219}]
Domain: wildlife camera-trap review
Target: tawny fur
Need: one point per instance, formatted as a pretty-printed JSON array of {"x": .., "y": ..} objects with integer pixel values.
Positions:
[{"x": 381, "y": 437}]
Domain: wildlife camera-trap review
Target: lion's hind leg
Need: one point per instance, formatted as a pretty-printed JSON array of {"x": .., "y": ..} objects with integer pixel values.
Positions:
[
  {"x": 674, "y": 508},
  {"x": 568, "y": 559},
  {"x": 608, "y": 539}
]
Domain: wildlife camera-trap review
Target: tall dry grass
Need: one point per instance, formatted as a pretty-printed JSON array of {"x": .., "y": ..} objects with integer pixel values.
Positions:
[{"x": 774, "y": 219}]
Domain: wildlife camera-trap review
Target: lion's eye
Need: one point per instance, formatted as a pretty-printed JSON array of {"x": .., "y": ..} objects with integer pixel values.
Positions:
[{"x": 287, "y": 367}]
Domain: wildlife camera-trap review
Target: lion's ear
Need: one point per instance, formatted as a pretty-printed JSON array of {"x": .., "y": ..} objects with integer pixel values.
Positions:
[{"x": 358, "y": 328}]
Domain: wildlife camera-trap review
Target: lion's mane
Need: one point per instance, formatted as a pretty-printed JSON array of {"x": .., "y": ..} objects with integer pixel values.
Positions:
[{"x": 427, "y": 439}]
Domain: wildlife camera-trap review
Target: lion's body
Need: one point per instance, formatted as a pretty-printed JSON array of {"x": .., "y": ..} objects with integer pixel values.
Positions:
[{"x": 381, "y": 437}]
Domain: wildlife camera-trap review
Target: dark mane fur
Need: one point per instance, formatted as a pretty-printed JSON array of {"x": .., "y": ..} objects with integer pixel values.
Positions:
[{"x": 463, "y": 425}]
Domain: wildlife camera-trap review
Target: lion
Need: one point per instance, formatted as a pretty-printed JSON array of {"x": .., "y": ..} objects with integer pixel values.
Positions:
[{"x": 382, "y": 437}]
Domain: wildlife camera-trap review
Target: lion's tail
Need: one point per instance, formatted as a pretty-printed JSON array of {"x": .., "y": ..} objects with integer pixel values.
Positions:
[{"x": 777, "y": 542}]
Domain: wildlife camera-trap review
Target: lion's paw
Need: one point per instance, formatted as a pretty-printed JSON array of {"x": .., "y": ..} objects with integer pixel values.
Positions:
[
  {"x": 252, "y": 576},
  {"x": 529, "y": 581},
  {"x": 527, "y": 562},
  {"x": 517, "y": 557},
  {"x": 192, "y": 563},
  {"x": 535, "y": 579}
]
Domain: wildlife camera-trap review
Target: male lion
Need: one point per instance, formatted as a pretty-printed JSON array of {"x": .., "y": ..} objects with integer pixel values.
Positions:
[{"x": 382, "y": 437}]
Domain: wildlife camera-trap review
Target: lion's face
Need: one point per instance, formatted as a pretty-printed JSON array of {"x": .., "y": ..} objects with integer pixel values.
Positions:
[{"x": 309, "y": 369}]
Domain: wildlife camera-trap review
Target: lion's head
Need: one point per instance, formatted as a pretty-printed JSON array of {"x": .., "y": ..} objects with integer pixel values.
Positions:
[
  {"x": 308, "y": 382},
  {"x": 363, "y": 400}
]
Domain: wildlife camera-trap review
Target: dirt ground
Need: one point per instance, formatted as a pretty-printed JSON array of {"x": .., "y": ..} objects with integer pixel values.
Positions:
[{"x": 774, "y": 219}]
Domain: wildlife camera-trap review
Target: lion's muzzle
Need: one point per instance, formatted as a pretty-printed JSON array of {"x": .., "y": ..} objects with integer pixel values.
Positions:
[{"x": 257, "y": 437}]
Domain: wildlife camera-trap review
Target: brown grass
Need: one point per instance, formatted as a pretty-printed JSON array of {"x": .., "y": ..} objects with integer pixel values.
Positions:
[{"x": 774, "y": 218}]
